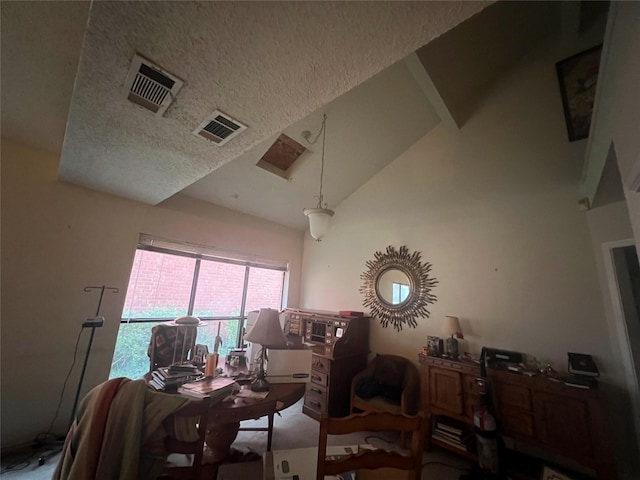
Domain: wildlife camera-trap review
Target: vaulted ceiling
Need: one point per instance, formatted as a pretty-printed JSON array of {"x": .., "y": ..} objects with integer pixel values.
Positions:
[{"x": 274, "y": 66}]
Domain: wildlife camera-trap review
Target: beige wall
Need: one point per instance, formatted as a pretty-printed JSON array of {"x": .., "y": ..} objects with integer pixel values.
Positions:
[
  {"x": 59, "y": 238},
  {"x": 494, "y": 208}
]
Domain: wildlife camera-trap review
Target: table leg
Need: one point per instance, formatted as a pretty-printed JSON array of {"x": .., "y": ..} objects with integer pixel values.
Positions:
[
  {"x": 219, "y": 438},
  {"x": 270, "y": 432}
]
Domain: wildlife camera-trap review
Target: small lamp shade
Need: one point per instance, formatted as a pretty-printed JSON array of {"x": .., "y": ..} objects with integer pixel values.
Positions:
[
  {"x": 267, "y": 330},
  {"x": 318, "y": 221},
  {"x": 451, "y": 327}
]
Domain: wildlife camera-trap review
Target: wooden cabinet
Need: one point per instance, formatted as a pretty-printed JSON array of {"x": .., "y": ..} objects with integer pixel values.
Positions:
[
  {"x": 445, "y": 390},
  {"x": 564, "y": 421},
  {"x": 340, "y": 351}
]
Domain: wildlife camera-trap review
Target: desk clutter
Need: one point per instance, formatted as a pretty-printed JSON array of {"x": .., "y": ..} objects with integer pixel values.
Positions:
[
  {"x": 172, "y": 377},
  {"x": 214, "y": 388}
]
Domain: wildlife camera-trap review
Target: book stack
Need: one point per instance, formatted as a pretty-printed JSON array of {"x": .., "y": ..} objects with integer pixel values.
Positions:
[
  {"x": 169, "y": 378},
  {"x": 453, "y": 433},
  {"x": 216, "y": 388}
]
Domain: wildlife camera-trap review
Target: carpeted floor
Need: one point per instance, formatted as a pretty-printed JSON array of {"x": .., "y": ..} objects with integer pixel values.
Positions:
[{"x": 292, "y": 429}]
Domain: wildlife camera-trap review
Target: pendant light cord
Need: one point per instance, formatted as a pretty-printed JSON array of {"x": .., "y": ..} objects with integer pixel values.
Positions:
[
  {"x": 324, "y": 136},
  {"x": 323, "y": 131}
]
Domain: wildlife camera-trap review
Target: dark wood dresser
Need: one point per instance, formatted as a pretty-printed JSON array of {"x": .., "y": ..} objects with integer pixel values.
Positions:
[
  {"x": 340, "y": 350},
  {"x": 564, "y": 421}
]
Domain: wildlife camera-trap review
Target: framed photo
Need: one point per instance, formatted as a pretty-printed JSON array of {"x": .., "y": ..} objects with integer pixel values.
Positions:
[
  {"x": 549, "y": 473},
  {"x": 578, "y": 75},
  {"x": 434, "y": 346}
]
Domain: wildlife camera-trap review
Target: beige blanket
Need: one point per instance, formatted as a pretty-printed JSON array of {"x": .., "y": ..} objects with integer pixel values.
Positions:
[{"x": 119, "y": 433}]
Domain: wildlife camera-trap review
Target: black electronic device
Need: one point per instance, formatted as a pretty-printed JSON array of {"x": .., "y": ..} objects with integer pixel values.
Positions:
[
  {"x": 582, "y": 364},
  {"x": 501, "y": 359}
]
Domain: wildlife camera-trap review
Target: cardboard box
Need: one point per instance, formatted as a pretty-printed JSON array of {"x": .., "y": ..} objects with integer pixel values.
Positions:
[
  {"x": 302, "y": 462},
  {"x": 288, "y": 365}
]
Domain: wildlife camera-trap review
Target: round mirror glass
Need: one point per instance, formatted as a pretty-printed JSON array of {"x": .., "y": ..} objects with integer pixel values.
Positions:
[{"x": 393, "y": 286}]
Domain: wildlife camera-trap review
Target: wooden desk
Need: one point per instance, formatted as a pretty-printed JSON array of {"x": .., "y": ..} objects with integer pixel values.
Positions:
[{"x": 225, "y": 417}]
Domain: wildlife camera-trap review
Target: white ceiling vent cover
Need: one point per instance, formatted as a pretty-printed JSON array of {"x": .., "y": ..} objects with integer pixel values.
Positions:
[
  {"x": 219, "y": 128},
  {"x": 150, "y": 86}
]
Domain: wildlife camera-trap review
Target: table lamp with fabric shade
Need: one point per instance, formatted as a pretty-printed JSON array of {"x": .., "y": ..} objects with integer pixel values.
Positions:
[
  {"x": 452, "y": 330},
  {"x": 267, "y": 332}
]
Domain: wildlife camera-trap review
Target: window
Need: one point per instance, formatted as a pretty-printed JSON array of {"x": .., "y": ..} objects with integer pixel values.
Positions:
[
  {"x": 400, "y": 292},
  {"x": 165, "y": 284}
]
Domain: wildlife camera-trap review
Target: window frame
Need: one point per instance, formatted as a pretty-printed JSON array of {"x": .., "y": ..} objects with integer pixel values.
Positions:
[{"x": 199, "y": 257}]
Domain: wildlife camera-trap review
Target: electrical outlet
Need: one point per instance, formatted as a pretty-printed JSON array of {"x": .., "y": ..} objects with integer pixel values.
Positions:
[{"x": 94, "y": 322}]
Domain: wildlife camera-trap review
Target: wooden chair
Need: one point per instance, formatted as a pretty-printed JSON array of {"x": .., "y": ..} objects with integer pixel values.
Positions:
[
  {"x": 372, "y": 459},
  {"x": 193, "y": 411}
]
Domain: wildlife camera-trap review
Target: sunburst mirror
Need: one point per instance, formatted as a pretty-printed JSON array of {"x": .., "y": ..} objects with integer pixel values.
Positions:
[{"x": 397, "y": 287}]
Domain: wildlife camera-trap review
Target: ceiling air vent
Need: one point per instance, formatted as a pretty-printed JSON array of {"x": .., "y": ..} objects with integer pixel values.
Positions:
[
  {"x": 219, "y": 128},
  {"x": 151, "y": 87}
]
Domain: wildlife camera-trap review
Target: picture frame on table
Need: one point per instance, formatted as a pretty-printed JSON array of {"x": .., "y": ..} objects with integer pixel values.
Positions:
[
  {"x": 434, "y": 346},
  {"x": 578, "y": 77},
  {"x": 549, "y": 473}
]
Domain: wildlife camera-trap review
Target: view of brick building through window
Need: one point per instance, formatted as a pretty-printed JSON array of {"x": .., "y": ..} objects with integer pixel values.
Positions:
[{"x": 160, "y": 289}]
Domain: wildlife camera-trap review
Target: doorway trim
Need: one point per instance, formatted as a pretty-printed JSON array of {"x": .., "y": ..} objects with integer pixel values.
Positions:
[{"x": 620, "y": 326}]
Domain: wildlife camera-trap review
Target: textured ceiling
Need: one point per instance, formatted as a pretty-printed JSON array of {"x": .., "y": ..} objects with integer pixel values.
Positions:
[
  {"x": 367, "y": 128},
  {"x": 276, "y": 67},
  {"x": 266, "y": 64}
]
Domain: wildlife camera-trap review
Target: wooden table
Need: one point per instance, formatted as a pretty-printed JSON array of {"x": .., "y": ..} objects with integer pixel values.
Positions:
[{"x": 225, "y": 417}]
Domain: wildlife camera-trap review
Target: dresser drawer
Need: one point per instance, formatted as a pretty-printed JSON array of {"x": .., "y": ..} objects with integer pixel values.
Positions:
[
  {"x": 516, "y": 423},
  {"x": 508, "y": 395},
  {"x": 316, "y": 390},
  {"x": 470, "y": 384},
  {"x": 319, "y": 378},
  {"x": 320, "y": 364},
  {"x": 315, "y": 403}
]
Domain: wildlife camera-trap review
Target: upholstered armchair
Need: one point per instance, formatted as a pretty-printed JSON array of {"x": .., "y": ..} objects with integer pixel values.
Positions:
[{"x": 390, "y": 383}]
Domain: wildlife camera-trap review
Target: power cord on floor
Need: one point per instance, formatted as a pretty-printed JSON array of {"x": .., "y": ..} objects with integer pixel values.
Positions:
[
  {"x": 17, "y": 464},
  {"x": 48, "y": 438}
]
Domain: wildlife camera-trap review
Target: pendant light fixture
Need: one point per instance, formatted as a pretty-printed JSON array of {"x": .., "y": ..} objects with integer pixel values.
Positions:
[{"x": 319, "y": 216}]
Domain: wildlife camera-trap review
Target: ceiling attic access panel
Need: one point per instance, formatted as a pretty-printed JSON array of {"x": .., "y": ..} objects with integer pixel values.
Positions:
[{"x": 281, "y": 156}]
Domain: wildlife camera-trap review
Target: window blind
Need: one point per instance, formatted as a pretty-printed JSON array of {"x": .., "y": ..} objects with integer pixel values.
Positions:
[{"x": 212, "y": 253}]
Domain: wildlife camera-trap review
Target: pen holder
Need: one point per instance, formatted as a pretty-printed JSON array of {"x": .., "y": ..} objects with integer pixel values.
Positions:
[{"x": 211, "y": 365}]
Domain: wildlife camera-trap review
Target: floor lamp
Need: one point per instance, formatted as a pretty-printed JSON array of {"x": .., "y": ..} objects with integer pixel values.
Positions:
[{"x": 92, "y": 322}]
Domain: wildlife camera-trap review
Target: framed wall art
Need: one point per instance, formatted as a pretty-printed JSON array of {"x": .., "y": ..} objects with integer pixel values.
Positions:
[{"x": 578, "y": 76}]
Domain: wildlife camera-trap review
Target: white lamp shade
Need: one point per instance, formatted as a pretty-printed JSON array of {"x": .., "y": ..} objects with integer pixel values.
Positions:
[
  {"x": 451, "y": 326},
  {"x": 267, "y": 330},
  {"x": 318, "y": 221}
]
